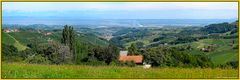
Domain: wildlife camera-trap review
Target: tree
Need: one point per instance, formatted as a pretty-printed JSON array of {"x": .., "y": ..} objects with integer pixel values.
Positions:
[
  {"x": 220, "y": 28},
  {"x": 139, "y": 44},
  {"x": 82, "y": 50},
  {"x": 9, "y": 52},
  {"x": 51, "y": 53},
  {"x": 111, "y": 54},
  {"x": 68, "y": 38},
  {"x": 64, "y": 54},
  {"x": 37, "y": 59},
  {"x": 171, "y": 56},
  {"x": 159, "y": 56},
  {"x": 132, "y": 50},
  {"x": 104, "y": 54}
]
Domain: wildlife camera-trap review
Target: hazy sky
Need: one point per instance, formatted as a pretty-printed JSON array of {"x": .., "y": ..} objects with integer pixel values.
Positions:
[{"x": 122, "y": 10}]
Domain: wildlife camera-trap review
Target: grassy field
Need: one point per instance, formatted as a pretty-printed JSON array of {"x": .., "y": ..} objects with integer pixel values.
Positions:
[{"x": 19, "y": 70}]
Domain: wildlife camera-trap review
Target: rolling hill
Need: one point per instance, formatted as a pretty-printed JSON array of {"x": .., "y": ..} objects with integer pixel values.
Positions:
[
  {"x": 223, "y": 36},
  {"x": 21, "y": 39},
  {"x": 10, "y": 40}
]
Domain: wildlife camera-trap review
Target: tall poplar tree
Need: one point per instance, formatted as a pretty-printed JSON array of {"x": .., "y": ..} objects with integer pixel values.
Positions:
[{"x": 68, "y": 38}]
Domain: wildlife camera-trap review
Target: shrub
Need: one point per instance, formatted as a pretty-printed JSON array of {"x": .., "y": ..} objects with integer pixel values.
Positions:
[
  {"x": 130, "y": 63},
  {"x": 37, "y": 59},
  {"x": 115, "y": 63},
  {"x": 10, "y": 53},
  {"x": 95, "y": 62},
  {"x": 233, "y": 64}
]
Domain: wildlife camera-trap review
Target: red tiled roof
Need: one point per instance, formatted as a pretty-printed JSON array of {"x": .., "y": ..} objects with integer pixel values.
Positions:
[{"x": 136, "y": 59}]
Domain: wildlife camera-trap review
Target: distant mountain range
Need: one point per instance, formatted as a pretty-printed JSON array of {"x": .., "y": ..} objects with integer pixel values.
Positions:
[{"x": 115, "y": 22}]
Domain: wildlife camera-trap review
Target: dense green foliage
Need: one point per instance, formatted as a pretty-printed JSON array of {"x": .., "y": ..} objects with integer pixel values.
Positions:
[
  {"x": 68, "y": 39},
  {"x": 219, "y": 28},
  {"x": 106, "y": 54},
  {"x": 132, "y": 50},
  {"x": 9, "y": 52},
  {"x": 59, "y": 47},
  {"x": 165, "y": 56},
  {"x": 52, "y": 53}
]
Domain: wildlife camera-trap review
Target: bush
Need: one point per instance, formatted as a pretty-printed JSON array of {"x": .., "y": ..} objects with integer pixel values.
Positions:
[
  {"x": 105, "y": 54},
  {"x": 95, "y": 62},
  {"x": 114, "y": 63},
  {"x": 130, "y": 63},
  {"x": 10, "y": 53},
  {"x": 37, "y": 59},
  {"x": 27, "y": 52},
  {"x": 233, "y": 64}
]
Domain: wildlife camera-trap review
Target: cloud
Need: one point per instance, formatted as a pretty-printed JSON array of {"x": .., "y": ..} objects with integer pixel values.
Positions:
[{"x": 103, "y": 6}]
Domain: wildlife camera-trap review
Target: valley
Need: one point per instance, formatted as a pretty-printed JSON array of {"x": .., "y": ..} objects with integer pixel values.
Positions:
[
  {"x": 213, "y": 47},
  {"x": 120, "y": 40}
]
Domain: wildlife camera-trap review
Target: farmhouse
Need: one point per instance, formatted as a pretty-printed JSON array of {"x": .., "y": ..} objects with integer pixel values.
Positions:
[
  {"x": 136, "y": 59},
  {"x": 48, "y": 33},
  {"x": 10, "y": 30}
]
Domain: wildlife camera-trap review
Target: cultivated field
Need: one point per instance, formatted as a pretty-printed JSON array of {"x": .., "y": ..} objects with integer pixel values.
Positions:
[{"x": 19, "y": 70}]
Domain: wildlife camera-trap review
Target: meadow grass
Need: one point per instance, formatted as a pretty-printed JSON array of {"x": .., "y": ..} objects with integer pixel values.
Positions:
[{"x": 20, "y": 70}]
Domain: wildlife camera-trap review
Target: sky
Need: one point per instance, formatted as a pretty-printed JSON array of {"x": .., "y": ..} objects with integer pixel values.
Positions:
[{"x": 120, "y": 10}]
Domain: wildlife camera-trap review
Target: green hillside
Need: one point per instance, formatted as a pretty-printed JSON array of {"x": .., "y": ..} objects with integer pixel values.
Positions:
[
  {"x": 222, "y": 36},
  {"x": 222, "y": 53},
  {"x": 10, "y": 40},
  {"x": 6, "y": 39},
  {"x": 23, "y": 38},
  {"x": 27, "y": 37},
  {"x": 92, "y": 39}
]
